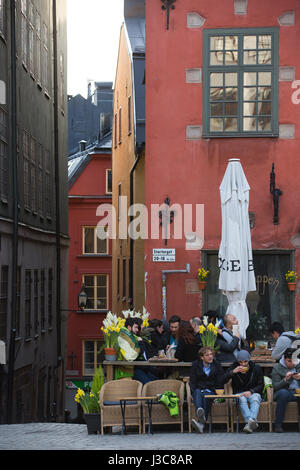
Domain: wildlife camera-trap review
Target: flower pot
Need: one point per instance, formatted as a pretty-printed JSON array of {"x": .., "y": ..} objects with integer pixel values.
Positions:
[
  {"x": 202, "y": 284},
  {"x": 292, "y": 285},
  {"x": 93, "y": 422},
  {"x": 110, "y": 354}
]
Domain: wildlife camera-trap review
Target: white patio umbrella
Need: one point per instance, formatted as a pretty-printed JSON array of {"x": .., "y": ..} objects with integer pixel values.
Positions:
[{"x": 235, "y": 253}]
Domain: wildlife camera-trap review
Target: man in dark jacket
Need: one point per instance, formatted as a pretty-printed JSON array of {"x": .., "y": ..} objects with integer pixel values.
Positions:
[
  {"x": 248, "y": 381},
  {"x": 229, "y": 340},
  {"x": 206, "y": 375}
]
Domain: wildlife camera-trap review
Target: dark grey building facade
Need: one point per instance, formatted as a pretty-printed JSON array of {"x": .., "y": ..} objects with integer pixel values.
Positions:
[
  {"x": 33, "y": 209},
  {"x": 90, "y": 118}
]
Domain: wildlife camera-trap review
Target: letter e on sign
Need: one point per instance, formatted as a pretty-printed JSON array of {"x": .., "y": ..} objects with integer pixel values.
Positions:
[{"x": 2, "y": 92}]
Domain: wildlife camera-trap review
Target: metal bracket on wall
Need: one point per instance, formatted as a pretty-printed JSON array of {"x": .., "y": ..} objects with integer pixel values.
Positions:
[
  {"x": 276, "y": 193},
  {"x": 167, "y": 5}
]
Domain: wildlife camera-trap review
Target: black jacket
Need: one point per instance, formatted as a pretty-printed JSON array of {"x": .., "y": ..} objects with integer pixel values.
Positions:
[
  {"x": 187, "y": 352},
  {"x": 252, "y": 381},
  {"x": 158, "y": 341},
  {"x": 225, "y": 351},
  {"x": 199, "y": 379}
]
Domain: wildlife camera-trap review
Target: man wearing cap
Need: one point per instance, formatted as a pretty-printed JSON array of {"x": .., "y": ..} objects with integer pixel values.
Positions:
[{"x": 248, "y": 381}]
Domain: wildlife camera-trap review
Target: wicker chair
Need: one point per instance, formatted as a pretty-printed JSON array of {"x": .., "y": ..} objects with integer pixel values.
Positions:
[
  {"x": 219, "y": 411},
  {"x": 291, "y": 412},
  {"x": 110, "y": 409},
  {"x": 265, "y": 410},
  {"x": 160, "y": 414}
]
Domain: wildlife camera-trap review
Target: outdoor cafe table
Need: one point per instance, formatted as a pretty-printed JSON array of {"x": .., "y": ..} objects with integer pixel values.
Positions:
[
  {"x": 227, "y": 397},
  {"x": 149, "y": 401},
  {"x": 265, "y": 363}
]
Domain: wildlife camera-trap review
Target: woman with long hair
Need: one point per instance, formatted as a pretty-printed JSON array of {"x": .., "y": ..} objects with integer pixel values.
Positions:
[{"x": 188, "y": 344}]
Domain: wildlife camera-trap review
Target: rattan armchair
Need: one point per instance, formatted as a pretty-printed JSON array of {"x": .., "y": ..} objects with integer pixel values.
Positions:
[
  {"x": 110, "y": 409},
  {"x": 160, "y": 414},
  {"x": 219, "y": 411}
]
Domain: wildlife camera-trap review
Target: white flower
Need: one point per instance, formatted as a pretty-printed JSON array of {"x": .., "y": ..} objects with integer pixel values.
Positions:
[
  {"x": 205, "y": 321},
  {"x": 218, "y": 323}
]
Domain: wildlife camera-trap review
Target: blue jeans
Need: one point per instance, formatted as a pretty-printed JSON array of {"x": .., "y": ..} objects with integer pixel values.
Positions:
[
  {"x": 250, "y": 406},
  {"x": 282, "y": 398},
  {"x": 200, "y": 400},
  {"x": 143, "y": 376}
]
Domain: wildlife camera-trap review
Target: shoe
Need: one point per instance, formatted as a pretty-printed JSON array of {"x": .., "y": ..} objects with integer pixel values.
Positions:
[
  {"x": 201, "y": 415},
  {"x": 278, "y": 428},
  {"x": 198, "y": 427},
  {"x": 252, "y": 424},
  {"x": 247, "y": 428}
]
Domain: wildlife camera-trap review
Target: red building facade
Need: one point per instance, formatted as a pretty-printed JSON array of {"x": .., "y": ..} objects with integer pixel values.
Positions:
[
  {"x": 223, "y": 77},
  {"x": 89, "y": 263}
]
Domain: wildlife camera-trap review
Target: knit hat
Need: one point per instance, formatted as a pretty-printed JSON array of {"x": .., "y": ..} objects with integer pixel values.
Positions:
[{"x": 243, "y": 355}]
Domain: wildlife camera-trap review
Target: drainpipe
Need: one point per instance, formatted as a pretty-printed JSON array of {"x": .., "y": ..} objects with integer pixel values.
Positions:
[
  {"x": 140, "y": 149},
  {"x": 57, "y": 194},
  {"x": 11, "y": 354},
  {"x": 164, "y": 285}
]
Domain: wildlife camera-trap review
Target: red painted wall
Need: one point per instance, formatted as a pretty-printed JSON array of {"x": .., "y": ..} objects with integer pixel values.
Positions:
[
  {"x": 191, "y": 171},
  {"x": 82, "y": 211}
]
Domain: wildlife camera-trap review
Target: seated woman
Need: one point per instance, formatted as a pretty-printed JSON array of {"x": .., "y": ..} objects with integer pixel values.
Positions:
[
  {"x": 188, "y": 344},
  {"x": 158, "y": 337}
]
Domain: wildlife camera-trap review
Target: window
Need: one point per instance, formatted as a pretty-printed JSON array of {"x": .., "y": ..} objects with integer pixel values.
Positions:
[
  {"x": 33, "y": 174},
  {"x": 120, "y": 125},
  {"x": 3, "y": 156},
  {"x": 92, "y": 244},
  {"x": 27, "y": 303},
  {"x": 40, "y": 178},
  {"x": 31, "y": 36},
  {"x": 129, "y": 116},
  {"x": 90, "y": 356},
  {"x": 26, "y": 164},
  {"x": 3, "y": 302},
  {"x": 45, "y": 56},
  {"x": 48, "y": 183},
  {"x": 36, "y": 300},
  {"x": 108, "y": 182},
  {"x": 271, "y": 302},
  {"x": 240, "y": 82},
  {"x": 42, "y": 300},
  {"x": 18, "y": 301},
  {"x": 116, "y": 130},
  {"x": 124, "y": 277},
  {"x": 24, "y": 32},
  {"x": 50, "y": 297},
  {"x": 96, "y": 286},
  {"x": 38, "y": 69},
  {"x": 2, "y": 18}
]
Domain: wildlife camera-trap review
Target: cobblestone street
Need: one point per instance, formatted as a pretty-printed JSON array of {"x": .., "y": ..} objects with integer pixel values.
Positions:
[{"x": 61, "y": 436}]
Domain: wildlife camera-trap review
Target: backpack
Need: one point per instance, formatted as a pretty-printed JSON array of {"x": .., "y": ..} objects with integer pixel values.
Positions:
[{"x": 293, "y": 339}]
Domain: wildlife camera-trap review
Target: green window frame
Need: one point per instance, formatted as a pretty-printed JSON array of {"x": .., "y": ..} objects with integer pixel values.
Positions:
[{"x": 240, "y": 82}]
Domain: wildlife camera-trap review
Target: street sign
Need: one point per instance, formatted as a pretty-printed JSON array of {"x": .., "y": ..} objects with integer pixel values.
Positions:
[{"x": 164, "y": 255}]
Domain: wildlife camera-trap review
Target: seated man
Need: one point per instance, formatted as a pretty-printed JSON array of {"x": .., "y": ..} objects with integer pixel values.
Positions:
[
  {"x": 286, "y": 378},
  {"x": 284, "y": 339},
  {"x": 248, "y": 380},
  {"x": 206, "y": 375},
  {"x": 229, "y": 342},
  {"x": 172, "y": 337}
]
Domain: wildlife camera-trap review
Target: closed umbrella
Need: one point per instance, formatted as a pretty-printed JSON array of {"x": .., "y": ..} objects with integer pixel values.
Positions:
[{"x": 235, "y": 253}]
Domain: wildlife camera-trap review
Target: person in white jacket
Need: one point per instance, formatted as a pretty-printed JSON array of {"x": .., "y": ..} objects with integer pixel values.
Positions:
[{"x": 284, "y": 340}]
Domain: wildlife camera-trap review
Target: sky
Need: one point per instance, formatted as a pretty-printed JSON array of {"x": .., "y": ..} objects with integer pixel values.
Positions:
[{"x": 93, "y": 41}]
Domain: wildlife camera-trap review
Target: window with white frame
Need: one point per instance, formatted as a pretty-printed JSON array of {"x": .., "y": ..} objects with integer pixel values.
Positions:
[
  {"x": 90, "y": 358},
  {"x": 240, "y": 82},
  {"x": 91, "y": 243},
  {"x": 96, "y": 286}
]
